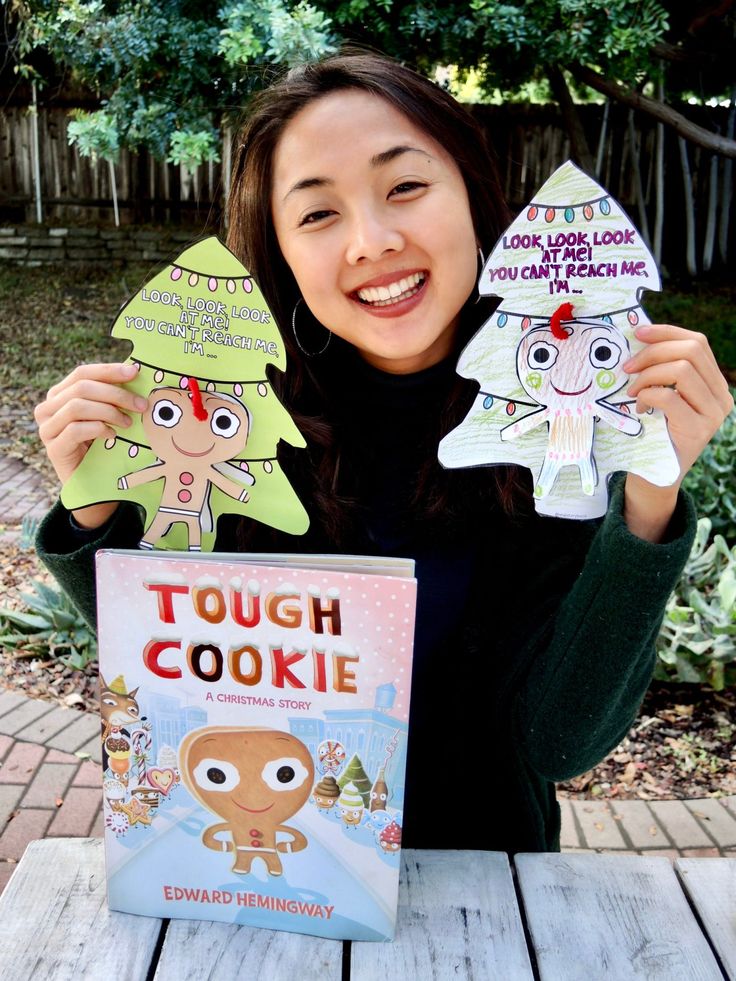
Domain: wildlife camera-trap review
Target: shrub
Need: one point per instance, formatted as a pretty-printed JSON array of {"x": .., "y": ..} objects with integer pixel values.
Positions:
[
  {"x": 51, "y": 625},
  {"x": 712, "y": 481},
  {"x": 697, "y": 642}
]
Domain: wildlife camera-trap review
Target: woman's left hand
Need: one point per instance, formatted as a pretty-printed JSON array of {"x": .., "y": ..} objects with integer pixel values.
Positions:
[{"x": 678, "y": 374}]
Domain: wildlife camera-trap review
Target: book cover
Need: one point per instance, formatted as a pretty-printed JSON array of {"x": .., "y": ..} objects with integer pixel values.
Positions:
[{"x": 254, "y": 731}]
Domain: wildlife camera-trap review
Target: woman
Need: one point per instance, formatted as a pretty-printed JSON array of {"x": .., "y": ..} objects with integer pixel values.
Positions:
[{"x": 361, "y": 196}]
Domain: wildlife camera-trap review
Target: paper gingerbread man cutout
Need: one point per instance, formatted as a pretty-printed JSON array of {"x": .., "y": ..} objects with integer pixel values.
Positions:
[
  {"x": 191, "y": 435},
  {"x": 569, "y": 368}
]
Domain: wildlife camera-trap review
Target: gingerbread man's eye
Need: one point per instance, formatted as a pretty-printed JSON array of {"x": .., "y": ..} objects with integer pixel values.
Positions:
[
  {"x": 224, "y": 423},
  {"x": 604, "y": 353},
  {"x": 211, "y": 774},
  {"x": 166, "y": 413},
  {"x": 542, "y": 355},
  {"x": 285, "y": 773}
]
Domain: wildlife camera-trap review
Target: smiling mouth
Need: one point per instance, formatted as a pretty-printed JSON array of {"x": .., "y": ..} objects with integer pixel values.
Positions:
[
  {"x": 386, "y": 296},
  {"x": 251, "y": 810},
  {"x": 187, "y": 453},
  {"x": 560, "y": 392}
]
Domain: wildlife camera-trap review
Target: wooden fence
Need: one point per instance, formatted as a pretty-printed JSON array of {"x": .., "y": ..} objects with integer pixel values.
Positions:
[{"x": 529, "y": 142}]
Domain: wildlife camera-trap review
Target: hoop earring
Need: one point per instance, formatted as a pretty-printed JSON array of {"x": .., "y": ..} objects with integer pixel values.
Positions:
[
  {"x": 309, "y": 354},
  {"x": 482, "y": 259}
]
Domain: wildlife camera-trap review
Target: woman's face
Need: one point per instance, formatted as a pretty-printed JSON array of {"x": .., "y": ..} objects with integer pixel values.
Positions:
[{"x": 372, "y": 217}]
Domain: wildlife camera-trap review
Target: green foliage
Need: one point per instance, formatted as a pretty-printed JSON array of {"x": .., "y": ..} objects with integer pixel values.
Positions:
[
  {"x": 712, "y": 481},
  {"x": 95, "y": 133},
  {"x": 268, "y": 27},
  {"x": 513, "y": 42},
  {"x": 614, "y": 35},
  {"x": 697, "y": 642},
  {"x": 168, "y": 71},
  {"x": 191, "y": 149},
  {"x": 50, "y": 625}
]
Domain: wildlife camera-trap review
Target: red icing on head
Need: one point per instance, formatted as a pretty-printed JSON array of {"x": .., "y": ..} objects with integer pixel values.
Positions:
[
  {"x": 199, "y": 410},
  {"x": 563, "y": 312}
]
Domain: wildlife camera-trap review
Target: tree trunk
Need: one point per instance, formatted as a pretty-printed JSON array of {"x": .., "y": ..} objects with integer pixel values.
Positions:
[
  {"x": 114, "y": 192},
  {"x": 727, "y": 192},
  {"x": 692, "y": 266},
  {"x": 659, "y": 182},
  {"x": 710, "y": 223},
  {"x": 669, "y": 116},
  {"x": 227, "y": 171},
  {"x": 35, "y": 157},
  {"x": 635, "y": 166},
  {"x": 578, "y": 140},
  {"x": 602, "y": 141}
]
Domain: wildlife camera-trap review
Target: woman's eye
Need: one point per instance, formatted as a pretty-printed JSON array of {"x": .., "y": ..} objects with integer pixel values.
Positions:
[
  {"x": 315, "y": 216},
  {"x": 406, "y": 187}
]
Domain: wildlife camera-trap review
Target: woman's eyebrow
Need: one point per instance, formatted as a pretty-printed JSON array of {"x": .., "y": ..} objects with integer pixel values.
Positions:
[
  {"x": 381, "y": 159},
  {"x": 378, "y": 160}
]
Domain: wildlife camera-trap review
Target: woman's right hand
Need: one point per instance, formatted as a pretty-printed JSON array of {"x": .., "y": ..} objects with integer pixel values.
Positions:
[{"x": 81, "y": 408}]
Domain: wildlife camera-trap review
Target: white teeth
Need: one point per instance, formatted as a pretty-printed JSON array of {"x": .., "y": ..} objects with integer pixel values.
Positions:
[{"x": 383, "y": 296}]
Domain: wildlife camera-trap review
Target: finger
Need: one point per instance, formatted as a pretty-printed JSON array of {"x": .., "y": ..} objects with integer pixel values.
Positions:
[
  {"x": 693, "y": 428},
  {"x": 693, "y": 348},
  {"x": 687, "y": 381},
  {"x": 650, "y": 333},
  {"x": 114, "y": 373},
  {"x": 690, "y": 348},
  {"x": 67, "y": 451},
  {"x": 77, "y": 435},
  {"x": 82, "y": 410},
  {"x": 94, "y": 392}
]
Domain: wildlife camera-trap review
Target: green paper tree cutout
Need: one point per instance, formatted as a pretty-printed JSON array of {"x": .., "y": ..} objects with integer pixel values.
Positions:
[{"x": 202, "y": 337}]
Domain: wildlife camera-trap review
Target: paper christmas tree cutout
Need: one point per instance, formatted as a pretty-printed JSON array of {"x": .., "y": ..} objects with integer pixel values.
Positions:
[
  {"x": 570, "y": 271},
  {"x": 202, "y": 335}
]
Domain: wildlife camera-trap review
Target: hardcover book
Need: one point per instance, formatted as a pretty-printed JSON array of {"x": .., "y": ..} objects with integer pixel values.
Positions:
[{"x": 254, "y": 732}]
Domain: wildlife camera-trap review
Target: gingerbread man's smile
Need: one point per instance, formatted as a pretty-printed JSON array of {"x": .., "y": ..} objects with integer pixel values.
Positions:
[
  {"x": 560, "y": 392},
  {"x": 187, "y": 452},
  {"x": 251, "y": 810}
]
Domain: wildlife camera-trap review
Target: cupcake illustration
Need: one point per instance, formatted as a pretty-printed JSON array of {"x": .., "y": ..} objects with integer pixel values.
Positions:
[
  {"x": 351, "y": 805},
  {"x": 326, "y": 793}
]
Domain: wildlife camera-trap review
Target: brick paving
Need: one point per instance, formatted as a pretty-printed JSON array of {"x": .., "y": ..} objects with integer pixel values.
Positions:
[
  {"x": 50, "y": 787},
  {"x": 50, "y": 775},
  {"x": 22, "y": 492}
]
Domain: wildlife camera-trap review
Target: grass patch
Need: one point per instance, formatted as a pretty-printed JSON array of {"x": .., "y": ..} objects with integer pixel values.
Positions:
[
  {"x": 708, "y": 308},
  {"x": 54, "y": 318}
]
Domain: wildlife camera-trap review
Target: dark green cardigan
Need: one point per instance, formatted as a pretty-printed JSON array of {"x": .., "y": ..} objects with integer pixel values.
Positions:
[{"x": 554, "y": 693}]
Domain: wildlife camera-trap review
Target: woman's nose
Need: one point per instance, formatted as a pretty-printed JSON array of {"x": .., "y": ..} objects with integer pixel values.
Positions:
[{"x": 371, "y": 237}]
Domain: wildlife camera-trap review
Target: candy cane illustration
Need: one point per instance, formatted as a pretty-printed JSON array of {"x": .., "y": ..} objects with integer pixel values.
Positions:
[{"x": 141, "y": 740}]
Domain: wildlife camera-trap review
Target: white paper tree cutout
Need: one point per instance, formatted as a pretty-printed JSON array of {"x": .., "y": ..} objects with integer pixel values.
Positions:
[{"x": 552, "y": 393}]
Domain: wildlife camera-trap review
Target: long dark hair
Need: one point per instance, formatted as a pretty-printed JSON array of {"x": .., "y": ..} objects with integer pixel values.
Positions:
[{"x": 252, "y": 237}]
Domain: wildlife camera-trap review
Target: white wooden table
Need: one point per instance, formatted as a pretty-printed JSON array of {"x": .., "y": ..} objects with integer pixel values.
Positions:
[{"x": 462, "y": 915}]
